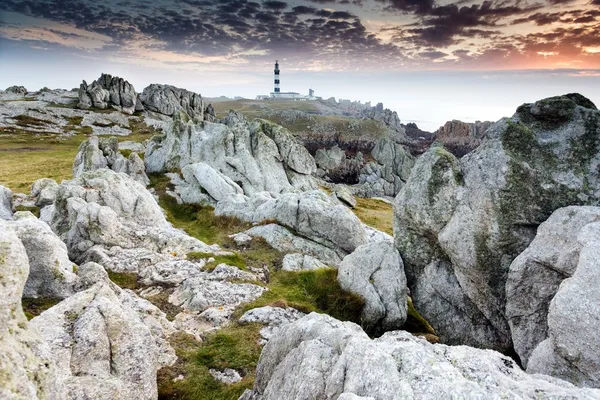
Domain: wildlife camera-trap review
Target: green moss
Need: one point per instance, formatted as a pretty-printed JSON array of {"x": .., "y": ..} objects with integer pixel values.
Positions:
[
  {"x": 415, "y": 323},
  {"x": 33, "y": 209},
  {"x": 126, "y": 280},
  {"x": 125, "y": 153},
  {"x": 585, "y": 147},
  {"x": 444, "y": 162},
  {"x": 34, "y": 307},
  {"x": 29, "y": 122}
]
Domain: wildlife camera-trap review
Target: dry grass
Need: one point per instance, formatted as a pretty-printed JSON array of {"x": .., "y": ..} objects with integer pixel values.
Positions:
[{"x": 375, "y": 213}]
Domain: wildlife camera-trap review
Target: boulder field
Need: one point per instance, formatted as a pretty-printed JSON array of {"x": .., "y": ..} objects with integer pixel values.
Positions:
[{"x": 498, "y": 250}]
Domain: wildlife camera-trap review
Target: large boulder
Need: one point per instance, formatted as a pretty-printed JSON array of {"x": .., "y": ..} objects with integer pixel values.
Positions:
[
  {"x": 108, "y": 91},
  {"x": 44, "y": 191},
  {"x": 25, "y": 363},
  {"x": 16, "y": 90},
  {"x": 102, "y": 347},
  {"x": 101, "y": 211},
  {"x": 203, "y": 177},
  {"x": 168, "y": 100},
  {"x": 462, "y": 137},
  {"x": 460, "y": 224},
  {"x": 556, "y": 281},
  {"x": 375, "y": 272},
  {"x": 6, "y": 202},
  {"x": 536, "y": 274},
  {"x": 318, "y": 357},
  {"x": 51, "y": 273},
  {"x": 258, "y": 156},
  {"x": 96, "y": 153}
]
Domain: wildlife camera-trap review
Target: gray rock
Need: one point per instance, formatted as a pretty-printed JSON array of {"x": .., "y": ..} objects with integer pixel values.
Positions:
[
  {"x": 228, "y": 376},
  {"x": 44, "y": 190},
  {"x": 17, "y": 90},
  {"x": 135, "y": 147},
  {"x": 203, "y": 177},
  {"x": 344, "y": 195},
  {"x": 318, "y": 357},
  {"x": 375, "y": 272},
  {"x": 108, "y": 91},
  {"x": 460, "y": 224},
  {"x": 100, "y": 344},
  {"x": 51, "y": 273},
  {"x": 167, "y": 100},
  {"x": 6, "y": 202},
  {"x": 96, "y": 153},
  {"x": 535, "y": 275},
  {"x": 301, "y": 262},
  {"x": 328, "y": 159},
  {"x": 570, "y": 352},
  {"x": 25, "y": 362},
  {"x": 257, "y": 156},
  {"x": 273, "y": 317}
]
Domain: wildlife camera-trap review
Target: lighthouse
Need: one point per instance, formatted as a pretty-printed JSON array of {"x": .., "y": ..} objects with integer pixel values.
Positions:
[{"x": 277, "y": 90}]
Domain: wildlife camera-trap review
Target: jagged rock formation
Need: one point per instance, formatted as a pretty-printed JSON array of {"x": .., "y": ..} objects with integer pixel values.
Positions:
[
  {"x": 51, "y": 273},
  {"x": 102, "y": 209},
  {"x": 25, "y": 364},
  {"x": 201, "y": 177},
  {"x": 460, "y": 137},
  {"x": 375, "y": 272},
  {"x": 168, "y": 100},
  {"x": 106, "y": 342},
  {"x": 318, "y": 357},
  {"x": 6, "y": 201},
  {"x": 44, "y": 191},
  {"x": 17, "y": 90},
  {"x": 96, "y": 153},
  {"x": 312, "y": 215},
  {"x": 258, "y": 156},
  {"x": 551, "y": 292},
  {"x": 459, "y": 224},
  {"x": 328, "y": 159},
  {"x": 108, "y": 91}
]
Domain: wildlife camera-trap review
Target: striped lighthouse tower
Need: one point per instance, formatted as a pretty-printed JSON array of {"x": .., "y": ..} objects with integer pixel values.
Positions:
[{"x": 277, "y": 90}]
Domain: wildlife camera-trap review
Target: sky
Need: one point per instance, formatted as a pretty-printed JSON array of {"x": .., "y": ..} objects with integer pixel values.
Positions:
[{"x": 429, "y": 60}]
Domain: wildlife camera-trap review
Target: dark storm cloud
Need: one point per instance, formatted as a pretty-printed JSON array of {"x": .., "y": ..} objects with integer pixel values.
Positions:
[{"x": 275, "y": 5}]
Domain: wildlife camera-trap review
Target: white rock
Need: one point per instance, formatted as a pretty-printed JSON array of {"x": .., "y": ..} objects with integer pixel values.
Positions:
[
  {"x": 301, "y": 262},
  {"x": 44, "y": 190},
  {"x": 6, "y": 200},
  {"x": 228, "y": 376},
  {"x": 203, "y": 176}
]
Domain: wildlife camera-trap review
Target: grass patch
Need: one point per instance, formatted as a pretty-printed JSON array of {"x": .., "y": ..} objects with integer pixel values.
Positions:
[
  {"x": 29, "y": 122},
  {"x": 161, "y": 301},
  {"x": 234, "y": 259},
  {"x": 125, "y": 280},
  {"x": 34, "y": 307},
  {"x": 375, "y": 213},
  {"x": 309, "y": 291}
]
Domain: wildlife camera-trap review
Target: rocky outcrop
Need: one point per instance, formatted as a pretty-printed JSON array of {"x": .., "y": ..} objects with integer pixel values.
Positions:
[
  {"x": 273, "y": 317},
  {"x": 257, "y": 156},
  {"x": 312, "y": 214},
  {"x": 460, "y": 137},
  {"x": 375, "y": 272},
  {"x": 106, "y": 343},
  {"x": 103, "y": 210},
  {"x": 44, "y": 191},
  {"x": 328, "y": 159},
  {"x": 168, "y": 100},
  {"x": 25, "y": 363},
  {"x": 6, "y": 202},
  {"x": 344, "y": 194},
  {"x": 51, "y": 273},
  {"x": 108, "y": 91},
  {"x": 318, "y": 357},
  {"x": 459, "y": 224},
  {"x": 203, "y": 178},
  {"x": 96, "y": 153},
  {"x": 301, "y": 262},
  {"x": 536, "y": 274},
  {"x": 551, "y": 295},
  {"x": 17, "y": 90}
]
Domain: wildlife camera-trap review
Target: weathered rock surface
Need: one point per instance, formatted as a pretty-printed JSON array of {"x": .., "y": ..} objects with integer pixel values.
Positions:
[
  {"x": 51, "y": 273},
  {"x": 318, "y": 357},
  {"x": 328, "y": 159},
  {"x": 462, "y": 137},
  {"x": 102, "y": 209},
  {"x": 96, "y": 153},
  {"x": 375, "y": 272},
  {"x": 257, "y": 156},
  {"x": 560, "y": 265},
  {"x": 25, "y": 363},
  {"x": 202, "y": 177},
  {"x": 459, "y": 224},
  {"x": 344, "y": 195},
  {"x": 301, "y": 262},
  {"x": 17, "y": 90},
  {"x": 6, "y": 201},
  {"x": 108, "y": 91},
  {"x": 536, "y": 274},
  {"x": 44, "y": 191},
  {"x": 102, "y": 346},
  {"x": 167, "y": 100},
  {"x": 273, "y": 317}
]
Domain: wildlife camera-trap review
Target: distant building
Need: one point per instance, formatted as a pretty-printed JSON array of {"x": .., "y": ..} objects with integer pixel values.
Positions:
[{"x": 277, "y": 94}]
